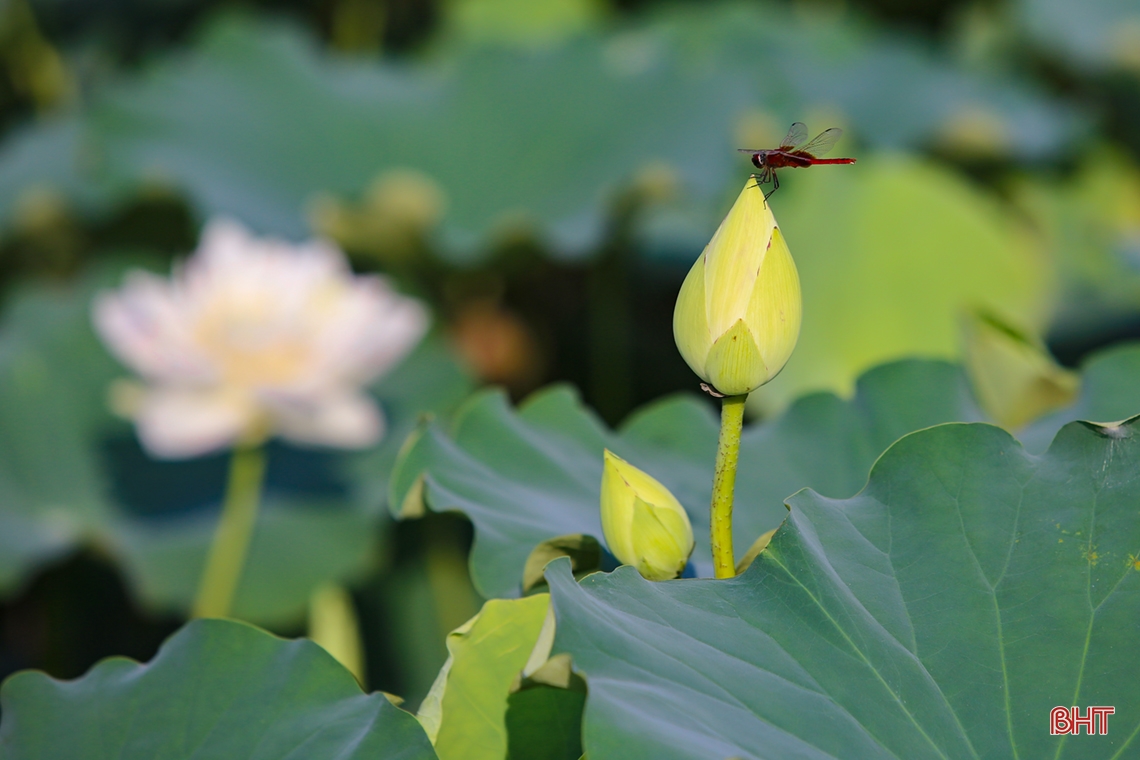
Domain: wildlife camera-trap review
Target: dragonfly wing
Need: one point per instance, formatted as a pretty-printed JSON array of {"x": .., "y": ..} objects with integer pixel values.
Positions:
[
  {"x": 796, "y": 135},
  {"x": 822, "y": 144}
]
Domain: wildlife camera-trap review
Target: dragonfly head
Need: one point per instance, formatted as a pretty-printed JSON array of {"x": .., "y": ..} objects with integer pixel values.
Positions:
[{"x": 760, "y": 159}]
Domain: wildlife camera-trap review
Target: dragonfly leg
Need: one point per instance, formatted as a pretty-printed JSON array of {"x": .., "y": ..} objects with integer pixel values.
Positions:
[
  {"x": 763, "y": 178},
  {"x": 775, "y": 185}
]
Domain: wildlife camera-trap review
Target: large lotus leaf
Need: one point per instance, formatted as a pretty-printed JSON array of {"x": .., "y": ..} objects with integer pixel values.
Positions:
[
  {"x": 892, "y": 91},
  {"x": 465, "y": 712},
  {"x": 216, "y": 688},
  {"x": 72, "y": 474},
  {"x": 255, "y": 121},
  {"x": 297, "y": 548},
  {"x": 528, "y": 476},
  {"x": 907, "y": 248},
  {"x": 520, "y": 478},
  {"x": 52, "y": 489},
  {"x": 45, "y": 160},
  {"x": 941, "y": 613}
]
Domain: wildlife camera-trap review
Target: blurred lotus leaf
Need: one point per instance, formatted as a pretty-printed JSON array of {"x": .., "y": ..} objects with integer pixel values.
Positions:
[
  {"x": 1092, "y": 35},
  {"x": 892, "y": 91},
  {"x": 53, "y": 488},
  {"x": 1090, "y": 227},
  {"x": 217, "y": 688},
  {"x": 73, "y": 474},
  {"x": 940, "y": 613},
  {"x": 906, "y": 247},
  {"x": 255, "y": 122}
]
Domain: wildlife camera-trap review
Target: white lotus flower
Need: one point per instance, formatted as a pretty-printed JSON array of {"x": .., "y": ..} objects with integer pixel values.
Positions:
[{"x": 252, "y": 337}]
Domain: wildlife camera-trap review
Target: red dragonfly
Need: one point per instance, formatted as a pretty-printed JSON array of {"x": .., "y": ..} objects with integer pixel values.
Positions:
[{"x": 795, "y": 153}]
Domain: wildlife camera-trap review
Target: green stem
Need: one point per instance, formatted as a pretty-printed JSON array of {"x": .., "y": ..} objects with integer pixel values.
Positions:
[
  {"x": 227, "y": 555},
  {"x": 724, "y": 483}
]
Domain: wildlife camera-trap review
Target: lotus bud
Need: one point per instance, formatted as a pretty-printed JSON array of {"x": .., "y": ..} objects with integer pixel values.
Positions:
[
  {"x": 644, "y": 524},
  {"x": 1014, "y": 377},
  {"x": 737, "y": 316}
]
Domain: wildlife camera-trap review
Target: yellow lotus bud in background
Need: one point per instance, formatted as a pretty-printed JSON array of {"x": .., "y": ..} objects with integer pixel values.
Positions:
[
  {"x": 738, "y": 313},
  {"x": 1014, "y": 377},
  {"x": 644, "y": 524}
]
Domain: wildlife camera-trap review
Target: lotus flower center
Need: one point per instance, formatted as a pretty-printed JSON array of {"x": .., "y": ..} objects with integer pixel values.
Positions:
[{"x": 264, "y": 339}]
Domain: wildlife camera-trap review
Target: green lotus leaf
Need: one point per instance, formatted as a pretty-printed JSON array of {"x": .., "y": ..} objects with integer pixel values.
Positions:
[
  {"x": 216, "y": 688},
  {"x": 528, "y": 476},
  {"x": 254, "y": 120},
  {"x": 544, "y": 713},
  {"x": 940, "y": 613},
  {"x": 53, "y": 384},
  {"x": 545, "y": 723}
]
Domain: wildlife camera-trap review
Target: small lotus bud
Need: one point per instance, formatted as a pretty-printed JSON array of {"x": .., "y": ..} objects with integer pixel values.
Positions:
[
  {"x": 644, "y": 524},
  {"x": 737, "y": 316}
]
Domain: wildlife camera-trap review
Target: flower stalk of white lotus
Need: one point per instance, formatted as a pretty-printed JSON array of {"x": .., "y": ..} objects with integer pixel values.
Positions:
[
  {"x": 251, "y": 338},
  {"x": 226, "y": 559}
]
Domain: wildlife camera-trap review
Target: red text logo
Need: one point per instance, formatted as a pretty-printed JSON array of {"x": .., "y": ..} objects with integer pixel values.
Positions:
[{"x": 1068, "y": 720}]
